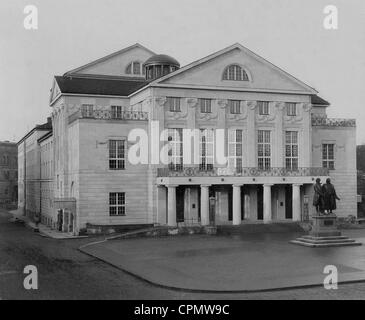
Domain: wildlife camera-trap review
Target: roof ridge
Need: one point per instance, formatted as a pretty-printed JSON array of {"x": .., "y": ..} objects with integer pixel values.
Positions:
[
  {"x": 102, "y": 77},
  {"x": 108, "y": 56}
]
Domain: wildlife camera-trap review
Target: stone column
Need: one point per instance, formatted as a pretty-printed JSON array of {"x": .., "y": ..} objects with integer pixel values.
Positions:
[
  {"x": 296, "y": 202},
  {"x": 236, "y": 205},
  {"x": 161, "y": 205},
  {"x": 267, "y": 203},
  {"x": 279, "y": 131},
  {"x": 305, "y": 150},
  {"x": 63, "y": 221},
  {"x": 247, "y": 207},
  {"x": 251, "y": 132},
  {"x": 171, "y": 205},
  {"x": 204, "y": 205}
]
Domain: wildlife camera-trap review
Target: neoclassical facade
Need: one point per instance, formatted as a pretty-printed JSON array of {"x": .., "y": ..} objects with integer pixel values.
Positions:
[{"x": 274, "y": 136}]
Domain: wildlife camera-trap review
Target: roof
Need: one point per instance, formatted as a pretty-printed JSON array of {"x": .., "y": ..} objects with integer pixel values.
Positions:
[
  {"x": 41, "y": 127},
  {"x": 46, "y": 136},
  {"x": 223, "y": 51},
  {"x": 162, "y": 59},
  {"x": 8, "y": 143},
  {"x": 99, "y": 86},
  {"x": 317, "y": 100},
  {"x": 136, "y": 45}
]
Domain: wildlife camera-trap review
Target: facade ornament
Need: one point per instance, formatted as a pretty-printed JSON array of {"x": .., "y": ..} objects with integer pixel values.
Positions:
[
  {"x": 147, "y": 102},
  {"x": 176, "y": 115},
  {"x": 252, "y": 104},
  {"x": 280, "y": 106},
  {"x": 222, "y": 103},
  {"x": 192, "y": 102},
  {"x": 208, "y": 116},
  {"x": 161, "y": 101},
  {"x": 307, "y": 107}
]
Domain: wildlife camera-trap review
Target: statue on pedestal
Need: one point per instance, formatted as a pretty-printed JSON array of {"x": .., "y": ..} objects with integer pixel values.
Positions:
[
  {"x": 318, "y": 197},
  {"x": 329, "y": 197}
]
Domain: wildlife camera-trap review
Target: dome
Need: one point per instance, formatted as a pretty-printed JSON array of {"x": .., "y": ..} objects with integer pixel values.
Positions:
[{"x": 162, "y": 59}]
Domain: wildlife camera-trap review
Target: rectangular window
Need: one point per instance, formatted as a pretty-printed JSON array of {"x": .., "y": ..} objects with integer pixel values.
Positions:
[
  {"x": 235, "y": 149},
  {"x": 264, "y": 149},
  {"x": 234, "y": 106},
  {"x": 206, "y": 149},
  {"x": 136, "y": 68},
  {"x": 291, "y": 109},
  {"x": 117, "y": 203},
  {"x": 328, "y": 156},
  {"x": 205, "y": 105},
  {"x": 87, "y": 110},
  {"x": 116, "y": 154},
  {"x": 291, "y": 150},
  {"x": 175, "y": 138},
  {"x": 263, "y": 107},
  {"x": 174, "y": 104},
  {"x": 117, "y": 112}
]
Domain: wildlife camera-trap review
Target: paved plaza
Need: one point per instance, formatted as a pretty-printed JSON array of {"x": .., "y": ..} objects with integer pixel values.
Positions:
[{"x": 231, "y": 263}]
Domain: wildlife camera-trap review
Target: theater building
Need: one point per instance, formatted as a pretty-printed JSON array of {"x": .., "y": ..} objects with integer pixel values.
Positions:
[{"x": 277, "y": 141}]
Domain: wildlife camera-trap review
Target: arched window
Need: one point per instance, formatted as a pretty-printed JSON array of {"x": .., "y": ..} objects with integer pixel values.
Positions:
[
  {"x": 235, "y": 72},
  {"x": 135, "y": 67}
]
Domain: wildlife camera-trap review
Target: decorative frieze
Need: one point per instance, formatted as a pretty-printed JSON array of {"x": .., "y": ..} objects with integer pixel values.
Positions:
[{"x": 242, "y": 172}]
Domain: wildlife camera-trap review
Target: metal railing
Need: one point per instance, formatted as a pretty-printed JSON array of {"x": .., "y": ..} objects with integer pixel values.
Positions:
[
  {"x": 322, "y": 120},
  {"x": 108, "y": 115},
  {"x": 183, "y": 171}
]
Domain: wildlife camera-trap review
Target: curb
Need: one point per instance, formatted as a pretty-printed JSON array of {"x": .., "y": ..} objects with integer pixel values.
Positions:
[{"x": 32, "y": 226}]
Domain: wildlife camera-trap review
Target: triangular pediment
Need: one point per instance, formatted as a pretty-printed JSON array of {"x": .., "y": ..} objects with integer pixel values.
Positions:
[
  {"x": 55, "y": 91},
  {"x": 115, "y": 64},
  {"x": 208, "y": 72}
]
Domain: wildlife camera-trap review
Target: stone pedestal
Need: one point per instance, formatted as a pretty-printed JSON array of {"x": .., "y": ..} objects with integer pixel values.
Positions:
[
  {"x": 324, "y": 226},
  {"x": 324, "y": 233}
]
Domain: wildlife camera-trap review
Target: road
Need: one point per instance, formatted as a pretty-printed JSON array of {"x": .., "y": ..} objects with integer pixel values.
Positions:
[{"x": 66, "y": 273}]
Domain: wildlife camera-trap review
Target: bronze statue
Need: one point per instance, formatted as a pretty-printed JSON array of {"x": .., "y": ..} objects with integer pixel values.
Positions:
[
  {"x": 329, "y": 197},
  {"x": 318, "y": 197}
]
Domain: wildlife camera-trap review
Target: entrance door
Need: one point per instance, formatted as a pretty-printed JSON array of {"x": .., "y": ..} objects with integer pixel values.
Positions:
[
  {"x": 260, "y": 202},
  {"x": 180, "y": 195},
  {"x": 288, "y": 202}
]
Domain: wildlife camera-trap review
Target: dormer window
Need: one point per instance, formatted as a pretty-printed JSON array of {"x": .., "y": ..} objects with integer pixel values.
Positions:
[
  {"x": 235, "y": 73},
  {"x": 135, "y": 68}
]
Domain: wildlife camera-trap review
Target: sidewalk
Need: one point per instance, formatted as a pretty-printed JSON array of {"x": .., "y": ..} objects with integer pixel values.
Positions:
[
  {"x": 41, "y": 228},
  {"x": 240, "y": 263}
]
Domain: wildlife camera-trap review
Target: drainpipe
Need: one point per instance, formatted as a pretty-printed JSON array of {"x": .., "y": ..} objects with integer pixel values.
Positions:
[
  {"x": 40, "y": 183},
  {"x": 25, "y": 179}
]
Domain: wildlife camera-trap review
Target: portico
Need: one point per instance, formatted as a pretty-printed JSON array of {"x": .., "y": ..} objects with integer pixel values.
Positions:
[{"x": 226, "y": 200}]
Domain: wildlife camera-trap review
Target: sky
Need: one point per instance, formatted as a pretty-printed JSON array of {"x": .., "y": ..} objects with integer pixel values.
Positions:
[{"x": 288, "y": 33}]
